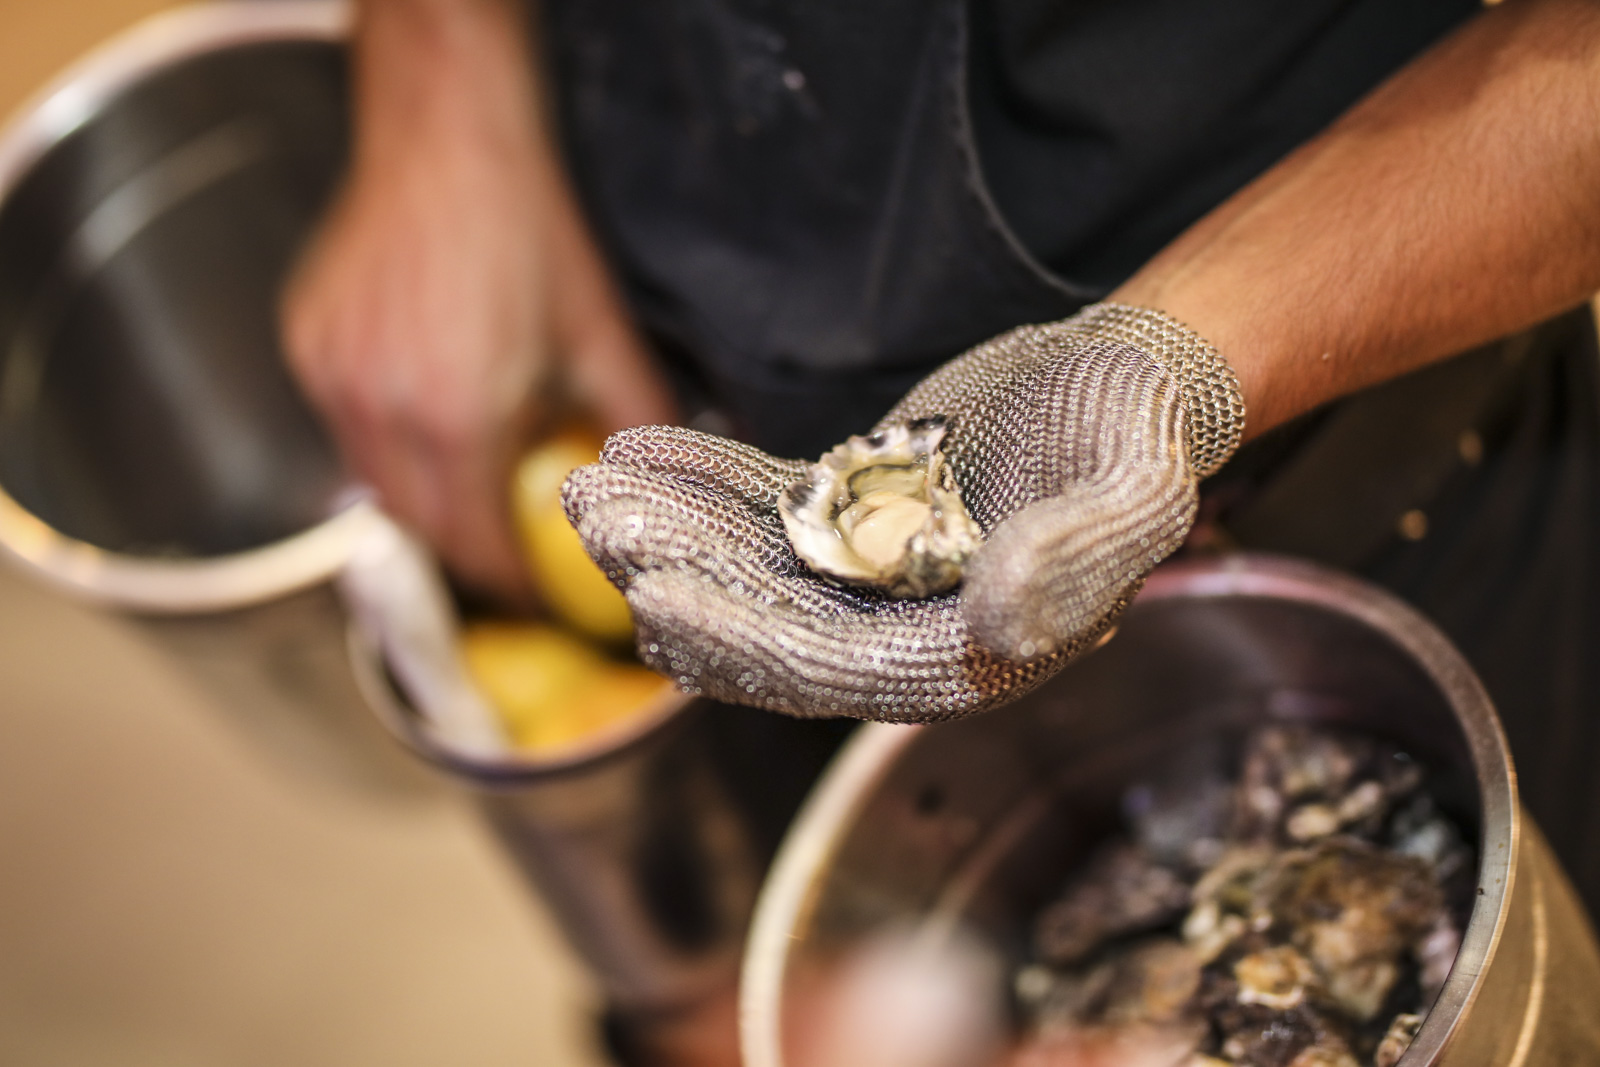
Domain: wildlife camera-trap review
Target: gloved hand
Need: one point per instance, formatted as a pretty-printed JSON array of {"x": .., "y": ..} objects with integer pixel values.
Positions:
[{"x": 1077, "y": 445}]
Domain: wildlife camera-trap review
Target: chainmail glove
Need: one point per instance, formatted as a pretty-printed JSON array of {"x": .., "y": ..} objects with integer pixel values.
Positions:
[{"x": 1077, "y": 446}]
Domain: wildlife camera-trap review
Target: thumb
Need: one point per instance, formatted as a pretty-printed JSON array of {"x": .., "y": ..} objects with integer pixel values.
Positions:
[
  {"x": 1056, "y": 573},
  {"x": 613, "y": 375}
]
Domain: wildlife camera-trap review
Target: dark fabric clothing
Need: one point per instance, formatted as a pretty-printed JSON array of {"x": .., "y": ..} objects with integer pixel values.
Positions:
[
  {"x": 805, "y": 222},
  {"x": 791, "y": 195},
  {"x": 1106, "y": 127},
  {"x": 815, "y": 204},
  {"x": 1498, "y": 452}
]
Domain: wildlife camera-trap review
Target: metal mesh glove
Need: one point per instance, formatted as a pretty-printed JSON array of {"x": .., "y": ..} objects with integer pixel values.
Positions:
[{"x": 1077, "y": 446}]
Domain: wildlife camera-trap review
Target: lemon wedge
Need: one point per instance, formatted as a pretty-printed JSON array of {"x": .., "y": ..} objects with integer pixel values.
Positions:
[
  {"x": 576, "y": 590},
  {"x": 552, "y": 689}
]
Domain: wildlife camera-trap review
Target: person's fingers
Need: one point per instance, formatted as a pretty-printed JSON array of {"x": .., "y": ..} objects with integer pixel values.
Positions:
[
  {"x": 446, "y": 477},
  {"x": 901, "y": 661},
  {"x": 394, "y": 464},
  {"x": 367, "y": 403},
  {"x": 613, "y": 376},
  {"x": 1052, "y": 577},
  {"x": 472, "y": 526},
  {"x": 729, "y": 468},
  {"x": 451, "y": 485},
  {"x": 336, "y": 338}
]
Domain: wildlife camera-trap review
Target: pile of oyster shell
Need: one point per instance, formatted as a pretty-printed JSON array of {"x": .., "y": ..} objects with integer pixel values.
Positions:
[{"x": 1304, "y": 913}]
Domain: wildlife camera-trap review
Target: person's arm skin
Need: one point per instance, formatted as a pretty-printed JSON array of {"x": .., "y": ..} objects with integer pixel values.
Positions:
[
  {"x": 1458, "y": 203},
  {"x": 454, "y": 284}
]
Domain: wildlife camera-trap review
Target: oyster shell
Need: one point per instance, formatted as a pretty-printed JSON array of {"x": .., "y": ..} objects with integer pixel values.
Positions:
[
  {"x": 884, "y": 511},
  {"x": 1121, "y": 892},
  {"x": 1402, "y": 1031},
  {"x": 1277, "y": 977},
  {"x": 1321, "y": 904}
]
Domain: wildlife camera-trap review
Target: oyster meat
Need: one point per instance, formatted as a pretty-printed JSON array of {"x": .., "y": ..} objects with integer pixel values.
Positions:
[{"x": 884, "y": 511}]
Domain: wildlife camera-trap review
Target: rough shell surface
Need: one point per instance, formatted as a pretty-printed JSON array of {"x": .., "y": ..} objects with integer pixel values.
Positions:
[
  {"x": 1313, "y": 929},
  {"x": 884, "y": 511}
]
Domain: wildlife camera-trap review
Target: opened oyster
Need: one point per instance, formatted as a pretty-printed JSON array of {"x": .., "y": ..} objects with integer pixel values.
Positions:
[{"x": 884, "y": 511}]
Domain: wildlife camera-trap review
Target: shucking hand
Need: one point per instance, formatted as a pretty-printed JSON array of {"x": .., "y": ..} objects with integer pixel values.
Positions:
[
  {"x": 1077, "y": 446},
  {"x": 453, "y": 290}
]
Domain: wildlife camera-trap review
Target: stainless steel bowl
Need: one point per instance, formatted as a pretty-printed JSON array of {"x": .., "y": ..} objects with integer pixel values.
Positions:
[
  {"x": 156, "y": 460},
  {"x": 971, "y": 826},
  {"x": 152, "y": 444},
  {"x": 647, "y": 840},
  {"x": 155, "y": 457}
]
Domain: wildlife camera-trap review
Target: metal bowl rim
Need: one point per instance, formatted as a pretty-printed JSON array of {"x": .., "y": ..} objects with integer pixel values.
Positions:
[
  {"x": 511, "y": 770},
  {"x": 830, "y": 812},
  {"x": 68, "y": 102}
]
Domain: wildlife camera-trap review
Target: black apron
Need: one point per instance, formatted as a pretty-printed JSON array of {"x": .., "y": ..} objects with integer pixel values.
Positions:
[
  {"x": 794, "y": 202},
  {"x": 791, "y": 195}
]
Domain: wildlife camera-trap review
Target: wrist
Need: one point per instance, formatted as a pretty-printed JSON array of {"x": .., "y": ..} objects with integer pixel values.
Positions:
[
  {"x": 438, "y": 75},
  {"x": 1213, "y": 402},
  {"x": 1259, "y": 339}
]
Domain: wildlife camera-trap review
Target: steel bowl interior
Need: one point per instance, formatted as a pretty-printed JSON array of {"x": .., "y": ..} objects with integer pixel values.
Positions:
[
  {"x": 151, "y": 205},
  {"x": 957, "y": 834}
]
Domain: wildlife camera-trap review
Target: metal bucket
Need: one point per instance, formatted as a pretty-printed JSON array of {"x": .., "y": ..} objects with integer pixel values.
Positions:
[
  {"x": 155, "y": 457},
  {"x": 648, "y": 840},
  {"x": 157, "y": 461},
  {"x": 925, "y": 831}
]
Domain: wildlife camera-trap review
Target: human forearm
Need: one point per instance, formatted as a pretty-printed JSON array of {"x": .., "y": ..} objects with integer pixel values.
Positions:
[
  {"x": 456, "y": 68},
  {"x": 1456, "y": 204},
  {"x": 453, "y": 288},
  {"x": 455, "y": 85}
]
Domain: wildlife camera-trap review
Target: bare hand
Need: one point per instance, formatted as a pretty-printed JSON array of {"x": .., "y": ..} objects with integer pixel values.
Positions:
[{"x": 453, "y": 287}]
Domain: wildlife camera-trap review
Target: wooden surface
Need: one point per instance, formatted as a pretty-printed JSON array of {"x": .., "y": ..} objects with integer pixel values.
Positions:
[{"x": 40, "y": 37}]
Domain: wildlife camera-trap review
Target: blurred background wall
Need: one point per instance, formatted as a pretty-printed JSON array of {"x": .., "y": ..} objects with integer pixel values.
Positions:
[{"x": 169, "y": 895}]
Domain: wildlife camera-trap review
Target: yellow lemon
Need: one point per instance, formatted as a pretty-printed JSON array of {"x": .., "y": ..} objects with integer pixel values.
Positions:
[
  {"x": 614, "y": 693},
  {"x": 526, "y": 670},
  {"x": 550, "y": 688},
  {"x": 575, "y": 588}
]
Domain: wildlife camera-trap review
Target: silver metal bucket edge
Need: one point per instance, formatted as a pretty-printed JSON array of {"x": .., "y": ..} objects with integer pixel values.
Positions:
[
  {"x": 156, "y": 586},
  {"x": 791, "y": 889}
]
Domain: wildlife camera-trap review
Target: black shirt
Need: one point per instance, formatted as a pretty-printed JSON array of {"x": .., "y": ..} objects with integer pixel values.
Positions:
[
  {"x": 814, "y": 203},
  {"x": 1106, "y": 127}
]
